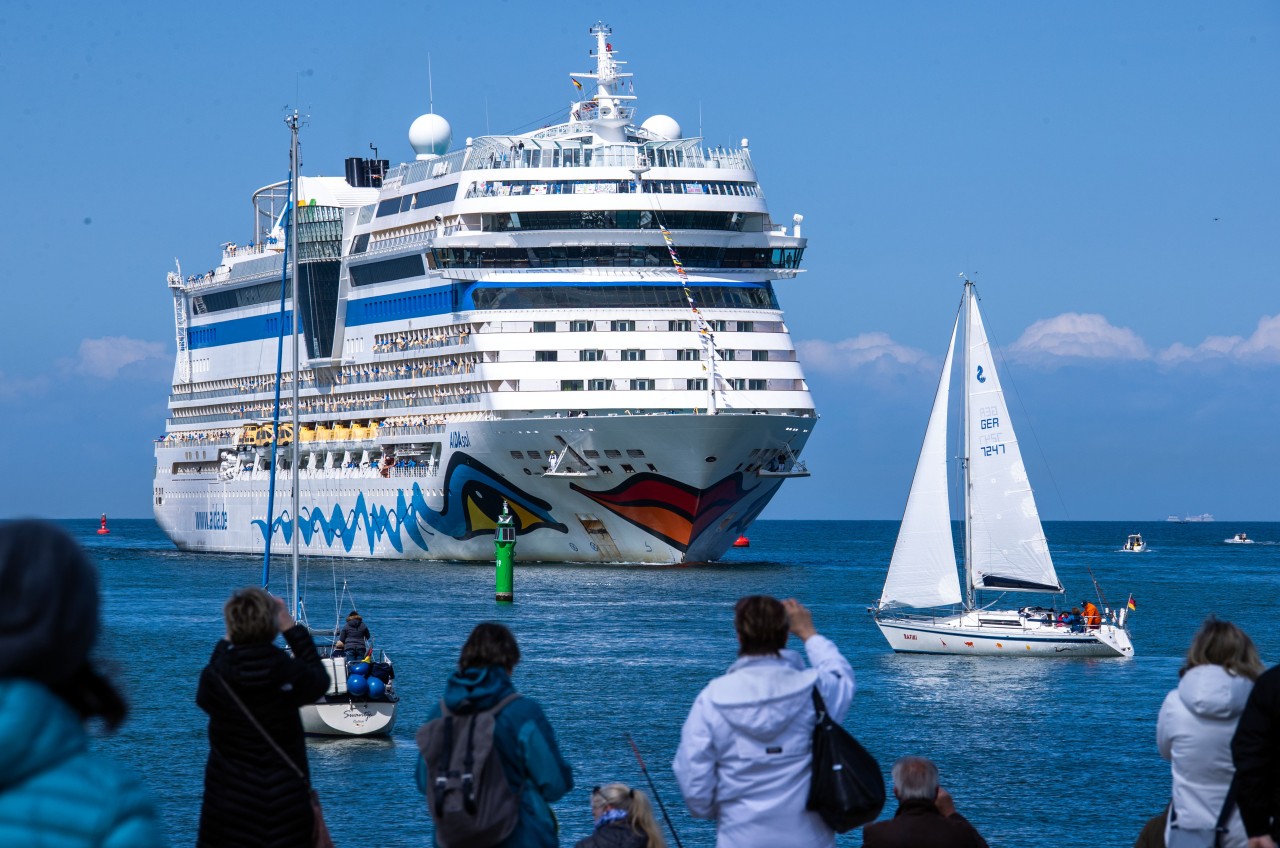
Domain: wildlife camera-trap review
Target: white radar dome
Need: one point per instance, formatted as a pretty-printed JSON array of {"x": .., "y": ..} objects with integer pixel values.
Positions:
[
  {"x": 430, "y": 135},
  {"x": 663, "y": 126}
]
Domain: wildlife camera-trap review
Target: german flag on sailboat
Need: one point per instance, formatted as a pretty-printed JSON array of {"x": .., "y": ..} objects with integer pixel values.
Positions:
[{"x": 1133, "y": 605}]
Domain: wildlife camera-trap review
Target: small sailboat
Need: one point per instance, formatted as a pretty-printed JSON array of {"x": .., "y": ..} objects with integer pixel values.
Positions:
[
  {"x": 1005, "y": 549},
  {"x": 361, "y": 701},
  {"x": 1239, "y": 539},
  {"x": 1134, "y": 544}
]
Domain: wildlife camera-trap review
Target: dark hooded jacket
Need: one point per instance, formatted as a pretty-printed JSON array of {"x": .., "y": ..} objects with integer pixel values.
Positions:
[
  {"x": 354, "y": 636},
  {"x": 251, "y": 796},
  {"x": 1256, "y": 752},
  {"x": 526, "y": 747},
  {"x": 918, "y": 822}
]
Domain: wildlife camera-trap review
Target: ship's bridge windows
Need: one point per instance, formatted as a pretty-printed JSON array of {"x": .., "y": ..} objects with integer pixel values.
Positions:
[
  {"x": 400, "y": 268},
  {"x": 244, "y": 296},
  {"x": 623, "y": 219},
  {"x": 360, "y": 243},
  {"x": 551, "y": 296},
  {"x": 435, "y": 196},
  {"x": 517, "y": 188}
]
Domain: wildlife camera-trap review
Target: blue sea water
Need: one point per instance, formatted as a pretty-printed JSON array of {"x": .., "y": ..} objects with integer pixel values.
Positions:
[{"x": 1032, "y": 750}]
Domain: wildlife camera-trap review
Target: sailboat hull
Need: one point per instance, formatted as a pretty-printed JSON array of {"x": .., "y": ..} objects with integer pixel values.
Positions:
[
  {"x": 349, "y": 718},
  {"x": 991, "y": 633}
]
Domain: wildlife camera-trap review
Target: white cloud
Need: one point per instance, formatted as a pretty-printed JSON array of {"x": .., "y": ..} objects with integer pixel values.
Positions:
[
  {"x": 874, "y": 350},
  {"x": 1261, "y": 348},
  {"x": 1073, "y": 335},
  {"x": 105, "y": 357}
]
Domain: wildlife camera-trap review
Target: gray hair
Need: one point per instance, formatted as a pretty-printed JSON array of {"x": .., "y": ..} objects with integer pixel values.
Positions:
[{"x": 915, "y": 778}]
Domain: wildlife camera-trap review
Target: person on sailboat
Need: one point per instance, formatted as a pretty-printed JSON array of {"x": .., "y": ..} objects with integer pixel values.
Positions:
[
  {"x": 926, "y": 813},
  {"x": 353, "y": 639},
  {"x": 253, "y": 795},
  {"x": 53, "y": 785},
  {"x": 1092, "y": 619},
  {"x": 744, "y": 757},
  {"x": 1075, "y": 620}
]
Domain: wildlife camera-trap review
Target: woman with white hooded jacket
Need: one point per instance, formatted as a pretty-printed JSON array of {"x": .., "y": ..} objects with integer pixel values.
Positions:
[{"x": 1197, "y": 722}]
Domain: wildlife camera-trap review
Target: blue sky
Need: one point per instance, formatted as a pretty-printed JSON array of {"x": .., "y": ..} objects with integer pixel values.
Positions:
[{"x": 1108, "y": 170}]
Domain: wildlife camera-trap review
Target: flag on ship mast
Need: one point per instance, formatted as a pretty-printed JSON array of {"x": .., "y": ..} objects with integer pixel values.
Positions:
[{"x": 576, "y": 83}]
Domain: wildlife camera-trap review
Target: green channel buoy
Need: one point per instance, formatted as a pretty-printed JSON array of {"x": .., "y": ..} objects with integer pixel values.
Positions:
[{"x": 504, "y": 554}]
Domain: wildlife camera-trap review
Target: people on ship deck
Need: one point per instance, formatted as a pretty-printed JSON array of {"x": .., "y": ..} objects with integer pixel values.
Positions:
[
  {"x": 1075, "y": 621},
  {"x": 1092, "y": 619}
]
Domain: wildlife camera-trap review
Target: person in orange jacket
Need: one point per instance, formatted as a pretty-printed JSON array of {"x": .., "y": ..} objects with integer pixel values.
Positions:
[{"x": 1092, "y": 619}]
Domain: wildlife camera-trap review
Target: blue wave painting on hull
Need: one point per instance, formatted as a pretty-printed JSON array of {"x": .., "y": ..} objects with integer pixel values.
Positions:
[{"x": 472, "y": 502}]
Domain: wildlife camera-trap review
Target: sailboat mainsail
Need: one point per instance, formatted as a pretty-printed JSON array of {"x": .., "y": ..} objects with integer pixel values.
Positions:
[
  {"x": 922, "y": 572},
  {"x": 1007, "y": 547}
]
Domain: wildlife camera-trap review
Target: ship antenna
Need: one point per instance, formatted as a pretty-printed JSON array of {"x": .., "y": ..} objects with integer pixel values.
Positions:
[{"x": 431, "y": 90}]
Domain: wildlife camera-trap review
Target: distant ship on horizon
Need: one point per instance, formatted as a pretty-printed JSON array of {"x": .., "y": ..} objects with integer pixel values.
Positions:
[{"x": 1202, "y": 518}]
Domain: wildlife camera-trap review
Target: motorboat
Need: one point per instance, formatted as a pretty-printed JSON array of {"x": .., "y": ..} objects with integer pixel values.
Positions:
[{"x": 1134, "y": 544}]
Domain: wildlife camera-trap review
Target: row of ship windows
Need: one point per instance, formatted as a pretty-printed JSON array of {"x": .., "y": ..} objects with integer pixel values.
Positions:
[
  {"x": 682, "y": 355},
  {"x": 630, "y": 326},
  {"x": 614, "y": 256},
  {"x": 643, "y": 385}
]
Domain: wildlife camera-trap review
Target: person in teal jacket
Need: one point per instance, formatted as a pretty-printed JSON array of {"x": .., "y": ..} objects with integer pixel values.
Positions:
[
  {"x": 53, "y": 789},
  {"x": 525, "y": 741}
]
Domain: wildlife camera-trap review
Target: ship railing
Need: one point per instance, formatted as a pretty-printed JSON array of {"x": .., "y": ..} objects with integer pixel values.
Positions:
[
  {"x": 331, "y": 409},
  {"x": 412, "y": 430},
  {"x": 418, "y": 471},
  {"x": 197, "y": 443}
]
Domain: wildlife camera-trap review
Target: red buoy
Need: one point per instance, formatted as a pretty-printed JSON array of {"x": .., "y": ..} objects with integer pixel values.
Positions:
[
  {"x": 102, "y": 530},
  {"x": 742, "y": 542}
]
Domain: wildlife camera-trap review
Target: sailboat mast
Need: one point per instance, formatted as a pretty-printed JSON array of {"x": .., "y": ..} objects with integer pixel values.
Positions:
[
  {"x": 968, "y": 484},
  {"x": 293, "y": 272}
]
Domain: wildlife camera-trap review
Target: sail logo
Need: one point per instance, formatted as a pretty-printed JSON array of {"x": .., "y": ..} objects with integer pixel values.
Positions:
[
  {"x": 211, "y": 519},
  {"x": 981, "y": 379},
  {"x": 459, "y": 440}
]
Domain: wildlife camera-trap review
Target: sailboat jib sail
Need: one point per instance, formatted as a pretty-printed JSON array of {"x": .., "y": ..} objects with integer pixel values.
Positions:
[
  {"x": 1008, "y": 548},
  {"x": 922, "y": 572}
]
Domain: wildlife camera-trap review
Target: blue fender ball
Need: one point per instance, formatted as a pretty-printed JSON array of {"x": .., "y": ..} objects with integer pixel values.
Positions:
[
  {"x": 361, "y": 668},
  {"x": 357, "y": 684},
  {"x": 377, "y": 688}
]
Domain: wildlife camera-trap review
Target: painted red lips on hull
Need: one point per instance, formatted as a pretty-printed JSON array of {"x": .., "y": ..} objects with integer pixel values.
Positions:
[{"x": 673, "y": 511}]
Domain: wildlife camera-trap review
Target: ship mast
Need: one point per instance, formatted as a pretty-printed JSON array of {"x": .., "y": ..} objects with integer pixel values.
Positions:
[
  {"x": 965, "y": 458},
  {"x": 293, "y": 122}
]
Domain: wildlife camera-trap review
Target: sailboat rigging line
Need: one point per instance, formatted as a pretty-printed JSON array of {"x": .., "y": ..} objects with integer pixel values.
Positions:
[
  {"x": 275, "y": 415},
  {"x": 705, "y": 336},
  {"x": 294, "y": 122}
]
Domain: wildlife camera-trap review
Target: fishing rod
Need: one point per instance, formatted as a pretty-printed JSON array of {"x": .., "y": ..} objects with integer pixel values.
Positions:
[{"x": 654, "y": 790}]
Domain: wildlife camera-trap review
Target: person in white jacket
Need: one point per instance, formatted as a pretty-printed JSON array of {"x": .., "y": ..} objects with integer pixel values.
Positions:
[
  {"x": 1197, "y": 722},
  {"x": 745, "y": 749}
]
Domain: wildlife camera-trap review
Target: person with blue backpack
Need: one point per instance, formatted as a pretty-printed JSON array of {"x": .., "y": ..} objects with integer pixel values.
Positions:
[{"x": 490, "y": 765}]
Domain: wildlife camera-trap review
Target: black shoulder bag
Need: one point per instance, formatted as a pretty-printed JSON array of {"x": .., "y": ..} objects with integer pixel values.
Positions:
[{"x": 846, "y": 788}]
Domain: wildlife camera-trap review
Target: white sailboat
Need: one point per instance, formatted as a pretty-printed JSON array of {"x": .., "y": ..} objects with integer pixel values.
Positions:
[
  {"x": 1005, "y": 549},
  {"x": 341, "y": 711}
]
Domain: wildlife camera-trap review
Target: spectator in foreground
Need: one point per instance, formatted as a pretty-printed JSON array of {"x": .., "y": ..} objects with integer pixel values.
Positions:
[
  {"x": 50, "y": 782},
  {"x": 623, "y": 818},
  {"x": 744, "y": 757},
  {"x": 1256, "y": 752},
  {"x": 524, "y": 739},
  {"x": 1197, "y": 722},
  {"x": 926, "y": 814},
  {"x": 252, "y": 796}
]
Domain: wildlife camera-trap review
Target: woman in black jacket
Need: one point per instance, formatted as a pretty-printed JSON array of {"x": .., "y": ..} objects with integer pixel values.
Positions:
[{"x": 251, "y": 796}]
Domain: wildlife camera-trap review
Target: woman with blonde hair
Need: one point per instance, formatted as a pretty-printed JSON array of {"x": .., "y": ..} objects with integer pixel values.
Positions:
[
  {"x": 624, "y": 819},
  {"x": 1196, "y": 724}
]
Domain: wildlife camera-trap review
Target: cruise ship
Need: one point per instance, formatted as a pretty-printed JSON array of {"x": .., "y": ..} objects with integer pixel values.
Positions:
[{"x": 578, "y": 322}]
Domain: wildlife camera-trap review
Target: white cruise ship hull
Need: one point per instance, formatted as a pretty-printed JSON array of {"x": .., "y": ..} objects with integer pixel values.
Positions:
[
  {"x": 663, "y": 489},
  {"x": 990, "y": 633}
]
